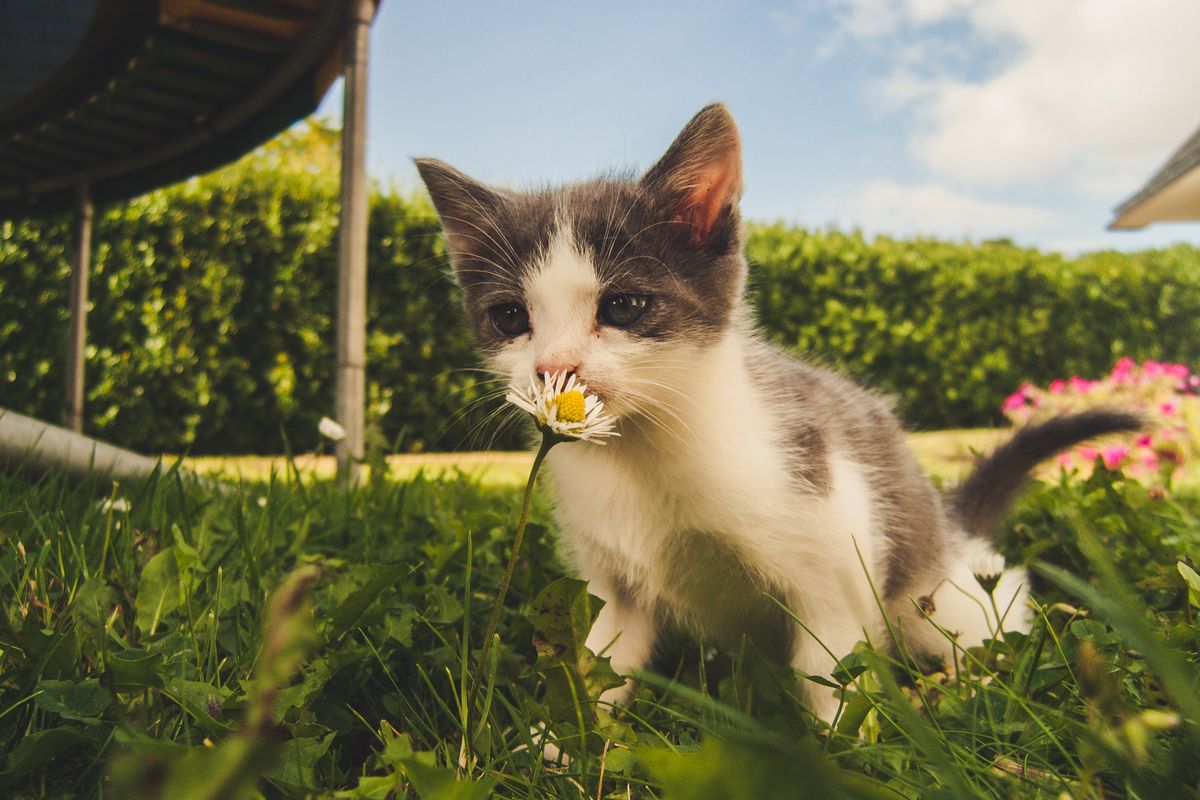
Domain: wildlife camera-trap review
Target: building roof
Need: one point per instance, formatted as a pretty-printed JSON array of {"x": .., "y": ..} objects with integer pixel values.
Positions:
[
  {"x": 1171, "y": 195},
  {"x": 129, "y": 95}
]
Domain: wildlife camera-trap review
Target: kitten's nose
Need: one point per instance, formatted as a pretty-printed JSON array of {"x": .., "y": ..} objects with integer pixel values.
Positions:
[{"x": 551, "y": 367}]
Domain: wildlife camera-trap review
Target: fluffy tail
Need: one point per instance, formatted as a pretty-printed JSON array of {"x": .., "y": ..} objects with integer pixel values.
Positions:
[{"x": 984, "y": 498}]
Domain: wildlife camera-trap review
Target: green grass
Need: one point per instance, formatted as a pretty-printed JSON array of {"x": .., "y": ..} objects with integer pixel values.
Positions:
[{"x": 142, "y": 655}]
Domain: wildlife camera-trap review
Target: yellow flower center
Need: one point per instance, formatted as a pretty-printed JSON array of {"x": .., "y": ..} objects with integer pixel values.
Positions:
[{"x": 570, "y": 406}]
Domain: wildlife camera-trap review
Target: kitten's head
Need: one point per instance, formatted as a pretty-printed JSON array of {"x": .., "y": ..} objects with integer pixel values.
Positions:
[{"x": 620, "y": 280}]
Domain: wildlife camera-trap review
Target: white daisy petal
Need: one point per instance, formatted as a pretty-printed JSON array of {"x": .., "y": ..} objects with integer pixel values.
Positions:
[{"x": 541, "y": 400}]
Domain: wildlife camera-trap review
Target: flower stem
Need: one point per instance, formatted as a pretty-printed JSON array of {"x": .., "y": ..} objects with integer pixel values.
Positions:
[{"x": 548, "y": 441}]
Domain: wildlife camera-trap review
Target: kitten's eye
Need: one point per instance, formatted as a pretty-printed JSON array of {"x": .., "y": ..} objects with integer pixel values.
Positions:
[
  {"x": 510, "y": 319},
  {"x": 620, "y": 310}
]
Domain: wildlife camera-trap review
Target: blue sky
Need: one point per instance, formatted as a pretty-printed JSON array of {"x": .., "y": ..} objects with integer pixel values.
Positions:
[{"x": 1029, "y": 119}]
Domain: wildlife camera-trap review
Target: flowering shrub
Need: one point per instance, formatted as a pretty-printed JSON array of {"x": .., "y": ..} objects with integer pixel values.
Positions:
[{"x": 1167, "y": 395}]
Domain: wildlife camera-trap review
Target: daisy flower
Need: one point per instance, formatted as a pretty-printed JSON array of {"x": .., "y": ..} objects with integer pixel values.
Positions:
[
  {"x": 562, "y": 407},
  {"x": 987, "y": 567},
  {"x": 119, "y": 504},
  {"x": 564, "y": 411},
  {"x": 331, "y": 429}
]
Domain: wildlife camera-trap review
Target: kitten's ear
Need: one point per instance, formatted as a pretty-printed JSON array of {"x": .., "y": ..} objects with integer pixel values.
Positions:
[
  {"x": 466, "y": 206},
  {"x": 700, "y": 177}
]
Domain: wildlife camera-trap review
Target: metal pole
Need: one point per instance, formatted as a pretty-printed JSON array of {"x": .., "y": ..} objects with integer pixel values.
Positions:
[
  {"x": 37, "y": 445},
  {"x": 350, "y": 394},
  {"x": 81, "y": 257}
]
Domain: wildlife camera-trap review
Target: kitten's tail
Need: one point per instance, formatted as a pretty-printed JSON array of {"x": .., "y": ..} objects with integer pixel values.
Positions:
[{"x": 985, "y": 496}]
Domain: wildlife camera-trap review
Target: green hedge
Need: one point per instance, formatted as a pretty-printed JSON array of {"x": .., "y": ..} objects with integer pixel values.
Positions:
[
  {"x": 950, "y": 329},
  {"x": 213, "y": 301},
  {"x": 212, "y": 307}
]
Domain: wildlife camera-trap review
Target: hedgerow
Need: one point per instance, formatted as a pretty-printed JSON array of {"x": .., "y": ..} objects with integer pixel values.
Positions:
[
  {"x": 211, "y": 326},
  {"x": 950, "y": 328},
  {"x": 212, "y": 314}
]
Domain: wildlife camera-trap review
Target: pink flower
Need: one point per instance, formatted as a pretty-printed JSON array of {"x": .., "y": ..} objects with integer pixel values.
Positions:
[
  {"x": 1169, "y": 408},
  {"x": 1088, "y": 453},
  {"x": 1122, "y": 372},
  {"x": 1145, "y": 441},
  {"x": 1014, "y": 401},
  {"x": 1150, "y": 459},
  {"x": 1058, "y": 386},
  {"x": 1114, "y": 454},
  {"x": 1081, "y": 385},
  {"x": 1064, "y": 459},
  {"x": 1153, "y": 369}
]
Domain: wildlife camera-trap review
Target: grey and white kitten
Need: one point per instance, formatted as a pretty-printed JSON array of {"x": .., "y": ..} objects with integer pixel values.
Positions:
[{"x": 741, "y": 476}]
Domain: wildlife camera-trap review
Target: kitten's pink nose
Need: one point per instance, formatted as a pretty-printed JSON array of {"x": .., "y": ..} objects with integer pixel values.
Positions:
[{"x": 552, "y": 367}]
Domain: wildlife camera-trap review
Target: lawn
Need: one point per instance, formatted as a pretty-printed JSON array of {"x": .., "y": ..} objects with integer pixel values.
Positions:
[{"x": 278, "y": 637}]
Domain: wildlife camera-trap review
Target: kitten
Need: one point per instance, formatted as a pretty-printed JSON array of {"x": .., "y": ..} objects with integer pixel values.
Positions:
[{"x": 741, "y": 476}]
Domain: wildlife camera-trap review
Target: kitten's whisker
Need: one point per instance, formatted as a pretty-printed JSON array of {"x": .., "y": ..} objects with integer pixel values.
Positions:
[
  {"x": 457, "y": 254},
  {"x": 685, "y": 397},
  {"x": 641, "y": 191},
  {"x": 659, "y": 261},
  {"x": 505, "y": 414},
  {"x": 489, "y": 217},
  {"x": 472, "y": 406},
  {"x": 509, "y": 418},
  {"x": 503, "y": 268},
  {"x": 644, "y": 416},
  {"x": 608, "y": 221},
  {"x": 658, "y": 415},
  {"x": 650, "y": 409},
  {"x": 630, "y": 240},
  {"x": 639, "y": 384},
  {"x": 489, "y": 239}
]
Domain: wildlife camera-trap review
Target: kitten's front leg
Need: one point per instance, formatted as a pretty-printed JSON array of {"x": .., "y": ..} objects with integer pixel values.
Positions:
[
  {"x": 624, "y": 632},
  {"x": 817, "y": 654}
]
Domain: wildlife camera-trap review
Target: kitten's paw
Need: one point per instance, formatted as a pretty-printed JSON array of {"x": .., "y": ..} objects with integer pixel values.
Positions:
[
  {"x": 542, "y": 736},
  {"x": 619, "y": 696},
  {"x": 826, "y": 706},
  {"x": 551, "y": 753}
]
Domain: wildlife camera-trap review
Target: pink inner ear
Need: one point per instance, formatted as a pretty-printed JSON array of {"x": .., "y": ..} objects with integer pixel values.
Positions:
[{"x": 716, "y": 186}]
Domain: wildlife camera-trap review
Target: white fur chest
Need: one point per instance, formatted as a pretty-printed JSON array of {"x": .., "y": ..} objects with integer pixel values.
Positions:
[{"x": 704, "y": 519}]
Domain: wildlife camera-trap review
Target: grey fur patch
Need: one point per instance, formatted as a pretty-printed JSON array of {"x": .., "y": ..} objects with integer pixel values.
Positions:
[{"x": 817, "y": 404}]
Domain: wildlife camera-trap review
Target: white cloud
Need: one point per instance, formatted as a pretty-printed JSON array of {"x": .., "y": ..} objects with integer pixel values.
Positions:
[
  {"x": 866, "y": 18},
  {"x": 884, "y": 206},
  {"x": 902, "y": 88},
  {"x": 853, "y": 20},
  {"x": 1092, "y": 94},
  {"x": 931, "y": 11}
]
